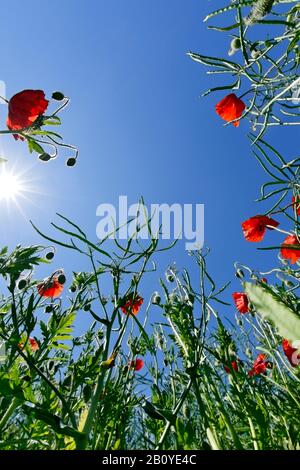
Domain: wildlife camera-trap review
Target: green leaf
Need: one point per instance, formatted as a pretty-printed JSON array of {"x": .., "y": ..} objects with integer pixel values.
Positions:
[
  {"x": 272, "y": 309},
  {"x": 33, "y": 146}
]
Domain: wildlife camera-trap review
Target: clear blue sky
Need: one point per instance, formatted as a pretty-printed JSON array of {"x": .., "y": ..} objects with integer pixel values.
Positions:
[{"x": 137, "y": 119}]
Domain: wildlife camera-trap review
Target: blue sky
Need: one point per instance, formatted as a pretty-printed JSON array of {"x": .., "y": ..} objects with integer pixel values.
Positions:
[{"x": 136, "y": 118}]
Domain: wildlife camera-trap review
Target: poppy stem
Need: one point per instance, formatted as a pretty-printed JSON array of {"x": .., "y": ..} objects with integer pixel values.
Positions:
[{"x": 4, "y": 99}]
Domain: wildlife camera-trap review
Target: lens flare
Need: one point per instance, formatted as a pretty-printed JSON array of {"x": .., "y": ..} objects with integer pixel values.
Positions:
[{"x": 10, "y": 186}]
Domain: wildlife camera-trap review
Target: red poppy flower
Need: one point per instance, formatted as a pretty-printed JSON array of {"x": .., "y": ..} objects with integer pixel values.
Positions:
[
  {"x": 132, "y": 305},
  {"x": 296, "y": 204},
  {"x": 34, "y": 346},
  {"x": 234, "y": 366},
  {"x": 50, "y": 288},
  {"x": 24, "y": 108},
  {"x": 260, "y": 365},
  {"x": 255, "y": 227},
  {"x": 289, "y": 352},
  {"x": 293, "y": 254},
  {"x": 137, "y": 364},
  {"x": 241, "y": 302},
  {"x": 230, "y": 108}
]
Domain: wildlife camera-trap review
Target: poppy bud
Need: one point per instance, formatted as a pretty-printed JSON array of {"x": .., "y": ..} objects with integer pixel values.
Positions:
[
  {"x": 255, "y": 54},
  {"x": 72, "y": 289},
  {"x": 240, "y": 273},
  {"x": 50, "y": 255},
  {"x": 239, "y": 322},
  {"x": 22, "y": 284},
  {"x": 174, "y": 299},
  {"x": 156, "y": 299},
  {"x": 235, "y": 45},
  {"x": 45, "y": 157},
  {"x": 48, "y": 309},
  {"x": 71, "y": 161},
  {"x": 248, "y": 353},
  {"x": 51, "y": 366},
  {"x": 87, "y": 308},
  {"x": 170, "y": 278},
  {"x": 61, "y": 279},
  {"x": 58, "y": 96}
]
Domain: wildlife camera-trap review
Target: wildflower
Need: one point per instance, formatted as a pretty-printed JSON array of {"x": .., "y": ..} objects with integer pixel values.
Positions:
[
  {"x": 137, "y": 364},
  {"x": 292, "y": 254},
  {"x": 50, "y": 288},
  {"x": 255, "y": 227},
  {"x": 34, "y": 346},
  {"x": 233, "y": 366},
  {"x": 132, "y": 304},
  {"x": 241, "y": 302},
  {"x": 230, "y": 108},
  {"x": 24, "y": 109},
  {"x": 289, "y": 352},
  {"x": 260, "y": 366},
  {"x": 296, "y": 204}
]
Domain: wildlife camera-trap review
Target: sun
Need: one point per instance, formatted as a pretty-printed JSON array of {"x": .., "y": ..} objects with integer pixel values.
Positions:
[{"x": 10, "y": 186}]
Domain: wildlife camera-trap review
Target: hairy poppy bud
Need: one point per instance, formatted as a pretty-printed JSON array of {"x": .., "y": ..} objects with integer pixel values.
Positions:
[
  {"x": 174, "y": 299},
  {"x": 248, "y": 353},
  {"x": 170, "y": 278},
  {"x": 48, "y": 309},
  {"x": 49, "y": 255},
  {"x": 22, "y": 284},
  {"x": 87, "y": 307},
  {"x": 235, "y": 45},
  {"x": 58, "y": 96},
  {"x": 71, "y": 161},
  {"x": 240, "y": 273},
  {"x": 72, "y": 289},
  {"x": 45, "y": 157},
  {"x": 156, "y": 299},
  {"x": 61, "y": 279}
]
